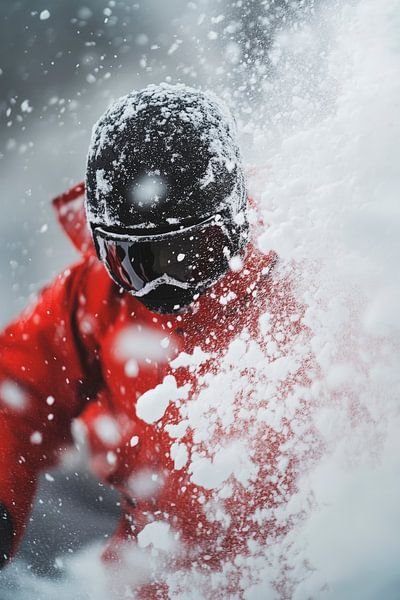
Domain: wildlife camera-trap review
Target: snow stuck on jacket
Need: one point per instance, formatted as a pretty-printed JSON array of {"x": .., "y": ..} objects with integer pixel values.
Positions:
[{"x": 328, "y": 187}]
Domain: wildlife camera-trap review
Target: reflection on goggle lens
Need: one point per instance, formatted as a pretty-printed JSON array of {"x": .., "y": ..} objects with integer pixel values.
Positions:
[{"x": 195, "y": 256}]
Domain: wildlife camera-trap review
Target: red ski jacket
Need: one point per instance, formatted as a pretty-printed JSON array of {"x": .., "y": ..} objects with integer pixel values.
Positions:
[{"x": 89, "y": 353}]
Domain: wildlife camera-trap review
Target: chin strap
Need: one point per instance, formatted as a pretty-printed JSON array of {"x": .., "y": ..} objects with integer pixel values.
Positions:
[{"x": 6, "y": 535}]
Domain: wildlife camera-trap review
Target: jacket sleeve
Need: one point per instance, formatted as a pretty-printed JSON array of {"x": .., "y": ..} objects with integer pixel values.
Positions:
[{"x": 44, "y": 384}]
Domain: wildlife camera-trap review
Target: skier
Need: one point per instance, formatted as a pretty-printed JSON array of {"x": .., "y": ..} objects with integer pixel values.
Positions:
[{"x": 168, "y": 267}]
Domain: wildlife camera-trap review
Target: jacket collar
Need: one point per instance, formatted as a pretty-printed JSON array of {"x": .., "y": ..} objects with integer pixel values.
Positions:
[{"x": 70, "y": 211}]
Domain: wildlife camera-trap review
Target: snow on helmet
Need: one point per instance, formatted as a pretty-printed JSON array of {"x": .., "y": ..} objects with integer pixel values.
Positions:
[{"x": 162, "y": 161}]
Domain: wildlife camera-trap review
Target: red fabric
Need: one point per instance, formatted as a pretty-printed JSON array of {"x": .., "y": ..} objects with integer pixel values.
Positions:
[
  {"x": 71, "y": 215},
  {"x": 40, "y": 357},
  {"x": 68, "y": 347}
]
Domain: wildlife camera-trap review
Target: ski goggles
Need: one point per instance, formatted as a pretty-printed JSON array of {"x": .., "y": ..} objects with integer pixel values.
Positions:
[{"x": 193, "y": 257}]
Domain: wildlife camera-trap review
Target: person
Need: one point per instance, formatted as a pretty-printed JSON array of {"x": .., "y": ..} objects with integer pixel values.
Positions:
[{"x": 169, "y": 271}]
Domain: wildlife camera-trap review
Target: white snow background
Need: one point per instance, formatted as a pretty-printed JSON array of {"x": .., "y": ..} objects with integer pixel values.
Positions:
[
  {"x": 328, "y": 180},
  {"x": 331, "y": 194}
]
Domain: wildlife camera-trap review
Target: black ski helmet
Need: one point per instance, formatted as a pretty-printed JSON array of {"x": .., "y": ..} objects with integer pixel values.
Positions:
[{"x": 161, "y": 160}]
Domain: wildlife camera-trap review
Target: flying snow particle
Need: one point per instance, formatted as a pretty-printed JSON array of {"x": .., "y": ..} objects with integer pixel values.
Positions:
[
  {"x": 142, "y": 39},
  {"x": 111, "y": 458},
  {"x": 190, "y": 360},
  {"x": 151, "y": 405},
  {"x": 131, "y": 368},
  {"x": 179, "y": 455},
  {"x": 173, "y": 48},
  {"x": 158, "y": 535},
  {"x": 25, "y": 106},
  {"x": 84, "y": 13},
  {"x": 12, "y": 395},
  {"x": 134, "y": 441},
  {"x": 44, "y": 15},
  {"x": 145, "y": 484},
  {"x": 227, "y": 298},
  {"x": 165, "y": 342},
  {"x": 233, "y": 52},
  {"x": 139, "y": 343},
  {"x": 235, "y": 264},
  {"x": 233, "y": 460},
  {"x": 148, "y": 190},
  {"x": 36, "y": 437},
  {"x": 107, "y": 430}
]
